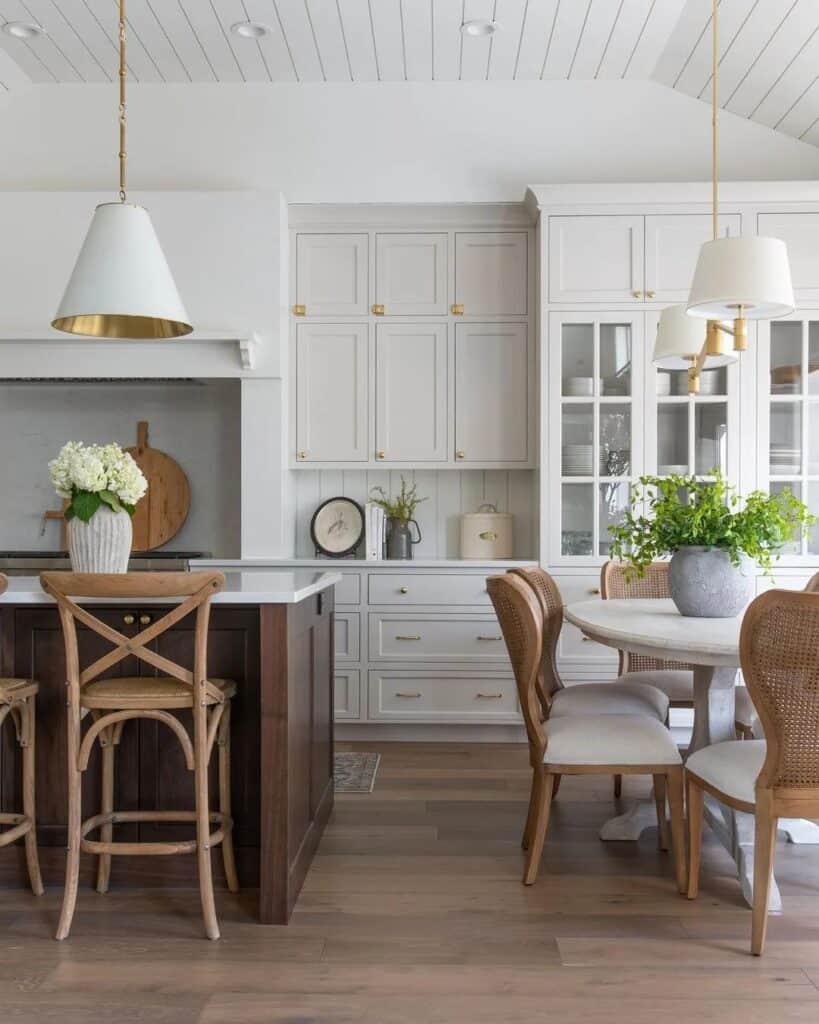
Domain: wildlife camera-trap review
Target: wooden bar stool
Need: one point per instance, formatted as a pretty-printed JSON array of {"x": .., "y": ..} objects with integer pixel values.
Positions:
[
  {"x": 17, "y": 700},
  {"x": 111, "y": 702}
]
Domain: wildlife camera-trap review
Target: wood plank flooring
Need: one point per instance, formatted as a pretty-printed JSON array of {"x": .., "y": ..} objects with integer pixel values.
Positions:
[{"x": 413, "y": 913}]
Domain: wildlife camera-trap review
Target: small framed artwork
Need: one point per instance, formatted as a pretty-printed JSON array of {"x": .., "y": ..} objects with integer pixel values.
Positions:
[{"x": 337, "y": 527}]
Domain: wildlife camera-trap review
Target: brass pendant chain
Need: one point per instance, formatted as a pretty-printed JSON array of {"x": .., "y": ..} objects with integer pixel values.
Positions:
[
  {"x": 123, "y": 74},
  {"x": 715, "y": 120}
]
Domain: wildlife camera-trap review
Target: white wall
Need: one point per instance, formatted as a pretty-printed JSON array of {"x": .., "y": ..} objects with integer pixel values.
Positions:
[
  {"x": 196, "y": 424},
  {"x": 383, "y": 142}
]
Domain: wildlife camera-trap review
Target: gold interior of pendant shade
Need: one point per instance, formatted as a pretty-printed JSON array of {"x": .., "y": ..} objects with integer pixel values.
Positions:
[{"x": 122, "y": 326}]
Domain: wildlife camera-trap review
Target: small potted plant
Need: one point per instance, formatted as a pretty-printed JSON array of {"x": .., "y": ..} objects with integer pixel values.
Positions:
[
  {"x": 712, "y": 535},
  {"x": 400, "y": 513},
  {"x": 102, "y": 485}
]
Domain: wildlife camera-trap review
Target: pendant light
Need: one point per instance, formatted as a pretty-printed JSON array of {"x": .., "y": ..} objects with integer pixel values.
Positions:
[
  {"x": 736, "y": 279},
  {"x": 122, "y": 286},
  {"x": 679, "y": 346}
]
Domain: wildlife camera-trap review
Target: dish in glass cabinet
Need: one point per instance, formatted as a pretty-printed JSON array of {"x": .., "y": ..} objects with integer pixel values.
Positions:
[{"x": 337, "y": 527}]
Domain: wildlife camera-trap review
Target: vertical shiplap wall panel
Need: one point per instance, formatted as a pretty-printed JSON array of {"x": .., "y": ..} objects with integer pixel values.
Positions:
[{"x": 449, "y": 494}]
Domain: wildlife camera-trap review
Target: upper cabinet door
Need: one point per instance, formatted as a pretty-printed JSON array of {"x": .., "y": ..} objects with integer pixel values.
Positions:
[
  {"x": 331, "y": 393},
  {"x": 596, "y": 259},
  {"x": 800, "y": 232},
  {"x": 491, "y": 393},
  {"x": 491, "y": 273},
  {"x": 331, "y": 274},
  {"x": 673, "y": 244},
  {"x": 411, "y": 367},
  {"x": 411, "y": 274}
]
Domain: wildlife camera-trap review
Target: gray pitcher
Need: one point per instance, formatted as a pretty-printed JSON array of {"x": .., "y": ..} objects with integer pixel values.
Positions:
[{"x": 400, "y": 539}]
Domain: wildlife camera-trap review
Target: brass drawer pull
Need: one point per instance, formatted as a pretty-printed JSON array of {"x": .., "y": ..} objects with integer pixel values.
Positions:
[
  {"x": 594, "y": 590},
  {"x": 129, "y": 620},
  {"x": 456, "y": 309},
  {"x": 488, "y": 696},
  {"x": 299, "y": 310},
  {"x": 416, "y": 637},
  {"x": 491, "y": 638},
  {"x": 378, "y": 309},
  {"x": 145, "y": 620},
  {"x": 381, "y": 454},
  {"x": 408, "y": 696}
]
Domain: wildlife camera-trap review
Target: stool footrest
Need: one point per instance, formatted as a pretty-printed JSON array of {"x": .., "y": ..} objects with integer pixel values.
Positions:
[
  {"x": 164, "y": 849},
  {"x": 21, "y": 823}
]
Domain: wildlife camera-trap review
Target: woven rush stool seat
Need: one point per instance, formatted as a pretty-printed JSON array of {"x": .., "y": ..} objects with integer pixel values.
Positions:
[{"x": 111, "y": 702}]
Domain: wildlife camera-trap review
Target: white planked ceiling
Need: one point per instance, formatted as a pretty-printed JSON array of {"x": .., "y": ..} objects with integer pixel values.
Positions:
[{"x": 769, "y": 49}]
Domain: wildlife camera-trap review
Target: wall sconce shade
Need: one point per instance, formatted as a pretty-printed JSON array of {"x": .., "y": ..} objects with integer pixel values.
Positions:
[{"x": 742, "y": 277}]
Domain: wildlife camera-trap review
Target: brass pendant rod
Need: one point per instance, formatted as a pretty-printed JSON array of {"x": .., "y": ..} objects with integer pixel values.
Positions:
[{"x": 123, "y": 74}]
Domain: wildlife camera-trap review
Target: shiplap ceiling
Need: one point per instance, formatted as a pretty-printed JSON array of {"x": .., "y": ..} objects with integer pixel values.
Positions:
[{"x": 769, "y": 51}]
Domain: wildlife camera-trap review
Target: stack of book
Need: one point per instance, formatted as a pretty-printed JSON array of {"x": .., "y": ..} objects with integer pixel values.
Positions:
[{"x": 375, "y": 530}]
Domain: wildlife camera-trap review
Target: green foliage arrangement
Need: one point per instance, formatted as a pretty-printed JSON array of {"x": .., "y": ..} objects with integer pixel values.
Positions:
[
  {"x": 403, "y": 507},
  {"x": 668, "y": 513}
]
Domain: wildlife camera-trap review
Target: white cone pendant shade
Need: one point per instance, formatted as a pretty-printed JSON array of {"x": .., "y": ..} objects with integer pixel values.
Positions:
[
  {"x": 122, "y": 286},
  {"x": 680, "y": 339},
  {"x": 750, "y": 273}
]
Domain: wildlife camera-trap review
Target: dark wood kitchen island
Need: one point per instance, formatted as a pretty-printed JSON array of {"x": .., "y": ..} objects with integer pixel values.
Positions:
[{"x": 272, "y": 633}]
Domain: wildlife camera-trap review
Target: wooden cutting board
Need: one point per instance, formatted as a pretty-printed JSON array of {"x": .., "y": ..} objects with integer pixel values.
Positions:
[{"x": 162, "y": 512}]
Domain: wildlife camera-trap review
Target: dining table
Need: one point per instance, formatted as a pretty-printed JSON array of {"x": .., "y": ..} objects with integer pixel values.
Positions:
[{"x": 655, "y": 628}]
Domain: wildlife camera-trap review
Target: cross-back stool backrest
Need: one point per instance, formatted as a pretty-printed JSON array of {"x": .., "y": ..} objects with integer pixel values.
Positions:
[
  {"x": 520, "y": 621},
  {"x": 550, "y": 601},
  {"x": 779, "y": 650},
  {"x": 197, "y": 589}
]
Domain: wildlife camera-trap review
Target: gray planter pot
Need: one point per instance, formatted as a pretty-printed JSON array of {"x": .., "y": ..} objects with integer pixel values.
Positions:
[{"x": 704, "y": 584}]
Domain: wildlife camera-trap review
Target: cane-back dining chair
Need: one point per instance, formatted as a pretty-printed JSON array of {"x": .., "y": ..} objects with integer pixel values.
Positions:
[
  {"x": 575, "y": 744},
  {"x": 113, "y": 701},
  {"x": 778, "y": 776}
]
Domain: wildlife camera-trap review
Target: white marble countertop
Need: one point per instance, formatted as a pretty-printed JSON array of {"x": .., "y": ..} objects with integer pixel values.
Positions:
[
  {"x": 271, "y": 587},
  {"x": 655, "y": 628}
]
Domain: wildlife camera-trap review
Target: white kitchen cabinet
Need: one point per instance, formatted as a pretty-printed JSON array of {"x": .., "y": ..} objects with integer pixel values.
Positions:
[
  {"x": 800, "y": 232},
  {"x": 411, "y": 392},
  {"x": 491, "y": 273},
  {"x": 331, "y": 392},
  {"x": 491, "y": 393},
  {"x": 596, "y": 258},
  {"x": 440, "y": 696},
  {"x": 347, "y": 695},
  {"x": 331, "y": 275},
  {"x": 672, "y": 247},
  {"x": 411, "y": 274}
]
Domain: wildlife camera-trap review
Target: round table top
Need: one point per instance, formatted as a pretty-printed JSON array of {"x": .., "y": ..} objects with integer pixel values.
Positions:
[{"x": 655, "y": 628}]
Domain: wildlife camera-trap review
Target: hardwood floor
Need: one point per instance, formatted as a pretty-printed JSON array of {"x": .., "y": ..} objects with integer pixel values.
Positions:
[{"x": 413, "y": 913}]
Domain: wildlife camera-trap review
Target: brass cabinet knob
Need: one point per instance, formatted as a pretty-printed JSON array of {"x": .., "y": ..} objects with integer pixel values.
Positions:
[
  {"x": 637, "y": 295},
  {"x": 650, "y": 295},
  {"x": 378, "y": 309},
  {"x": 302, "y": 455},
  {"x": 460, "y": 454},
  {"x": 129, "y": 620},
  {"x": 299, "y": 310},
  {"x": 594, "y": 590},
  {"x": 456, "y": 309},
  {"x": 381, "y": 454},
  {"x": 145, "y": 620},
  {"x": 404, "y": 590}
]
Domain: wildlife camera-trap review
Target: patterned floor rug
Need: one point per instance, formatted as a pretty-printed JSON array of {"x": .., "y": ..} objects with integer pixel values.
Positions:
[{"x": 355, "y": 772}]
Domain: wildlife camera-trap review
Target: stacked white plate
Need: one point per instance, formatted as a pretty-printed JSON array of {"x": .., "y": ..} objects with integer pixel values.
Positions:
[
  {"x": 785, "y": 459},
  {"x": 578, "y": 387},
  {"x": 578, "y": 459},
  {"x": 673, "y": 469}
]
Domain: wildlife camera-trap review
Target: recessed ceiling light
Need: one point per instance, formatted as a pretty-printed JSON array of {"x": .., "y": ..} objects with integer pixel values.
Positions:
[
  {"x": 249, "y": 29},
  {"x": 23, "y": 29},
  {"x": 479, "y": 27}
]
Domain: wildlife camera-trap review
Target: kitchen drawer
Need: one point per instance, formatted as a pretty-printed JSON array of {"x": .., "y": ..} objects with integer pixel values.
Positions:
[
  {"x": 574, "y": 647},
  {"x": 435, "y": 638},
  {"x": 347, "y": 695},
  {"x": 349, "y": 590},
  {"x": 441, "y": 697},
  {"x": 347, "y": 636},
  {"x": 428, "y": 588}
]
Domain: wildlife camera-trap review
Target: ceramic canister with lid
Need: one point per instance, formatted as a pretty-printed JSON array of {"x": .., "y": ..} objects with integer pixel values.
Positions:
[{"x": 487, "y": 534}]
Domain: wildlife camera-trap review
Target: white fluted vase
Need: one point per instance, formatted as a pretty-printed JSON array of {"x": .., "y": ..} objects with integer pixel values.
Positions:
[{"x": 103, "y": 544}]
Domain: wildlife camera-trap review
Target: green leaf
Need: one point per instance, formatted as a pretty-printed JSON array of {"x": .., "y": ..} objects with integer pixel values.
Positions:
[
  {"x": 84, "y": 504},
  {"x": 111, "y": 500},
  {"x": 130, "y": 509}
]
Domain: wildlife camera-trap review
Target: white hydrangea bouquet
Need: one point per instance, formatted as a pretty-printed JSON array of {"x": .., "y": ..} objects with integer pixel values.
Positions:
[{"x": 90, "y": 475}]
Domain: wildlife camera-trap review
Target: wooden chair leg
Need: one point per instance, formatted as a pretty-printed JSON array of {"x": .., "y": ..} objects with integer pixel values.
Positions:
[
  {"x": 106, "y": 806},
  {"x": 29, "y": 801},
  {"x": 695, "y": 798},
  {"x": 72, "y": 860},
  {"x": 618, "y": 786},
  {"x": 764, "y": 848},
  {"x": 203, "y": 856},
  {"x": 228, "y": 855},
  {"x": 676, "y": 806},
  {"x": 541, "y": 823},
  {"x": 526, "y": 840},
  {"x": 659, "y": 803}
]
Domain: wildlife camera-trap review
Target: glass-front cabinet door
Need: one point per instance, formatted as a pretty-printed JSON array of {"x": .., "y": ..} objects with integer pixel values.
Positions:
[
  {"x": 690, "y": 433},
  {"x": 788, "y": 428},
  {"x": 595, "y": 428}
]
